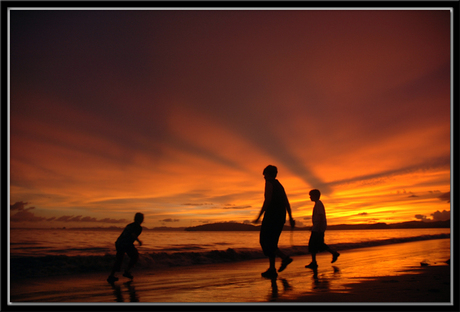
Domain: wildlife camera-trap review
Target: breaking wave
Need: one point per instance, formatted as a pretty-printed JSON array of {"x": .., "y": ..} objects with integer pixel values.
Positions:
[{"x": 54, "y": 265}]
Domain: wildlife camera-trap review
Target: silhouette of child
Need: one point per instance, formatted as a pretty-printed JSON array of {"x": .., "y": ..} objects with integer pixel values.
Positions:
[
  {"x": 125, "y": 244},
  {"x": 316, "y": 243},
  {"x": 275, "y": 206}
]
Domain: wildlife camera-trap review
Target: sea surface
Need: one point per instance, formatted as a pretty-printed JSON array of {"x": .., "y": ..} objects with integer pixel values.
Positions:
[{"x": 45, "y": 252}]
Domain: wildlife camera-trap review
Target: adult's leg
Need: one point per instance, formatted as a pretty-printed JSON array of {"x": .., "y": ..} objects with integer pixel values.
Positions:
[
  {"x": 269, "y": 242},
  {"x": 271, "y": 261},
  {"x": 280, "y": 254},
  {"x": 285, "y": 262}
]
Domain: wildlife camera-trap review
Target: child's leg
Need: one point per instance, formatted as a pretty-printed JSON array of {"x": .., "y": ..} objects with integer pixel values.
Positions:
[
  {"x": 313, "y": 264},
  {"x": 334, "y": 253},
  {"x": 329, "y": 249},
  {"x": 118, "y": 261},
  {"x": 133, "y": 257},
  {"x": 116, "y": 266}
]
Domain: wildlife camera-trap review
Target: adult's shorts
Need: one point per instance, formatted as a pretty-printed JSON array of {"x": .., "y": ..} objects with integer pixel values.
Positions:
[{"x": 269, "y": 237}]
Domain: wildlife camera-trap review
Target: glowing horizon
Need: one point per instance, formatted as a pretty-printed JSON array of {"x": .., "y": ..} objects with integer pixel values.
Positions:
[{"x": 175, "y": 114}]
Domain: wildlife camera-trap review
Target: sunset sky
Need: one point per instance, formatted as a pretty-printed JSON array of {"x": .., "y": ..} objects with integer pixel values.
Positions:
[{"x": 175, "y": 113}]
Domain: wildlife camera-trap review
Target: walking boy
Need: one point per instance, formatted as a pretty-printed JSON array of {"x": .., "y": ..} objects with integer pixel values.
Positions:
[
  {"x": 316, "y": 243},
  {"x": 125, "y": 244}
]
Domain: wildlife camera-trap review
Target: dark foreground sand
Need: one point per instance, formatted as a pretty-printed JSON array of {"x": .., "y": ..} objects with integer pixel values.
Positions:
[
  {"x": 384, "y": 274},
  {"x": 421, "y": 284}
]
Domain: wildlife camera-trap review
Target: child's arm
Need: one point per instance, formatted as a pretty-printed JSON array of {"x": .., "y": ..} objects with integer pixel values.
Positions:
[{"x": 136, "y": 238}]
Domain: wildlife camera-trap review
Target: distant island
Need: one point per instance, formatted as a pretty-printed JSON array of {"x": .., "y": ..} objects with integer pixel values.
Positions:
[{"x": 233, "y": 226}]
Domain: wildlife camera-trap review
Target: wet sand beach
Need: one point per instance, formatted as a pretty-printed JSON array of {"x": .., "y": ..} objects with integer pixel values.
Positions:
[{"x": 383, "y": 274}]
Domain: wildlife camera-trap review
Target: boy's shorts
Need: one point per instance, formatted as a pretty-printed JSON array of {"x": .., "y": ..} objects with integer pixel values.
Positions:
[
  {"x": 130, "y": 250},
  {"x": 316, "y": 243}
]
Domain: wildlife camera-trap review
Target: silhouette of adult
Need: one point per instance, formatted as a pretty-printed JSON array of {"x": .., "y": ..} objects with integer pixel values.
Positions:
[
  {"x": 125, "y": 244},
  {"x": 274, "y": 209}
]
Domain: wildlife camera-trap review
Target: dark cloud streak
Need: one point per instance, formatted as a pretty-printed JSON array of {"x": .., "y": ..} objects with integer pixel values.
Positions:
[
  {"x": 23, "y": 214},
  {"x": 445, "y": 197},
  {"x": 236, "y": 207},
  {"x": 170, "y": 220},
  {"x": 441, "y": 162},
  {"x": 436, "y": 216},
  {"x": 20, "y": 206}
]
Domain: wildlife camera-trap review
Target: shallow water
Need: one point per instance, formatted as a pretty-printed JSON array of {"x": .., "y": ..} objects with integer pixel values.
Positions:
[
  {"x": 73, "y": 242},
  {"x": 40, "y": 253}
]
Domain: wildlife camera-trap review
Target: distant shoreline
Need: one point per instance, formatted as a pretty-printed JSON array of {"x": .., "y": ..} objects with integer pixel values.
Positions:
[
  {"x": 229, "y": 226},
  {"x": 234, "y": 226}
]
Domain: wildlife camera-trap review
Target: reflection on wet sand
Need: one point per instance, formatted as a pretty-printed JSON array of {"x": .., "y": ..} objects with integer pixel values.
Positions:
[
  {"x": 275, "y": 290},
  {"x": 319, "y": 283},
  {"x": 117, "y": 291}
]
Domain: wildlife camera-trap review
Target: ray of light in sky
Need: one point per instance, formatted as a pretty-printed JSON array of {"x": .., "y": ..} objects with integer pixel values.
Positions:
[{"x": 175, "y": 113}]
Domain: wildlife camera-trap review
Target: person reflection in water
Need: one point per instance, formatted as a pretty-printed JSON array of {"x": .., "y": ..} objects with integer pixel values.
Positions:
[
  {"x": 133, "y": 297},
  {"x": 274, "y": 209},
  {"x": 125, "y": 244},
  {"x": 275, "y": 291},
  {"x": 316, "y": 243}
]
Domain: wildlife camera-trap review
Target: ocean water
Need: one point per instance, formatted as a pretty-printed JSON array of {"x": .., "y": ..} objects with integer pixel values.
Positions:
[{"x": 45, "y": 252}]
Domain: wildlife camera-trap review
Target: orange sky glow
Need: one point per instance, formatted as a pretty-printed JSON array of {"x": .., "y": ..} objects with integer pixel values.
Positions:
[{"x": 175, "y": 113}]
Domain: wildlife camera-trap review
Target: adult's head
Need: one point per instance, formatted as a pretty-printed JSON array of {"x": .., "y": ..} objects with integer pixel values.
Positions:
[{"x": 270, "y": 171}]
